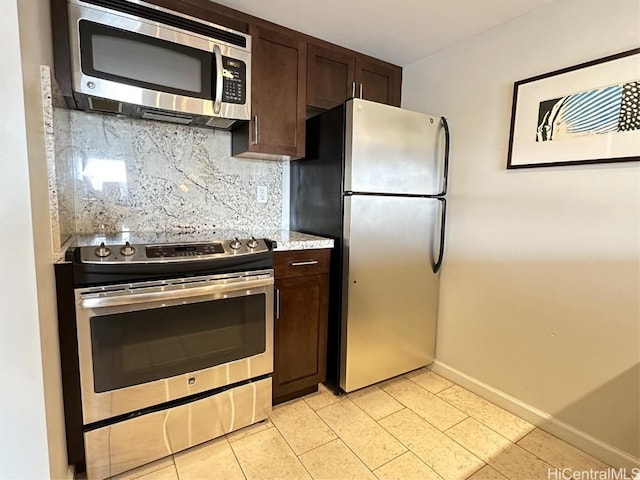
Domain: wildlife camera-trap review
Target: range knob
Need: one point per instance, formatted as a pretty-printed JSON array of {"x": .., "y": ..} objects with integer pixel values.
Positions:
[
  {"x": 127, "y": 250},
  {"x": 253, "y": 243},
  {"x": 103, "y": 251},
  {"x": 235, "y": 244}
]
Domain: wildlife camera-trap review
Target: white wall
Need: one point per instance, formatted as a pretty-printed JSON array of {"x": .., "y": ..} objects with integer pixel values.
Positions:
[
  {"x": 540, "y": 293},
  {"x": 35, "y": 48},
  {"x": 32, "y": 442},
  {"x": 23, "y": 436}
]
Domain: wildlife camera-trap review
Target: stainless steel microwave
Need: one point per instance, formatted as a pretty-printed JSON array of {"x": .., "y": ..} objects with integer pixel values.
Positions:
[{"x": 137, "y": 59}]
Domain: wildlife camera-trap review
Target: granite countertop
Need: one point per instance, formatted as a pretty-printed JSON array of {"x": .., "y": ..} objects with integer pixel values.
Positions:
[
  {"x": 286, "y": 239},
  {"x": 289, "y": 240}
]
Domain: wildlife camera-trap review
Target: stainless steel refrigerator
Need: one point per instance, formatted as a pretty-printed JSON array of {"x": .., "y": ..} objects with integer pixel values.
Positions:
[{"x": 375, "y": 180}]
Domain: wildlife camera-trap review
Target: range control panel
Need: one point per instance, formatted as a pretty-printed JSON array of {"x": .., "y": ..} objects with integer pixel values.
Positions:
[
  {"x": 171, "y": 252},
  {"x": 194, "y": 250},
  {"x": 234, "y": 81}
]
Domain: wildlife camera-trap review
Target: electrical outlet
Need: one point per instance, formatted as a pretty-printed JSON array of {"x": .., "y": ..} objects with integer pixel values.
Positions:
[{"x": 262, "y": 194}]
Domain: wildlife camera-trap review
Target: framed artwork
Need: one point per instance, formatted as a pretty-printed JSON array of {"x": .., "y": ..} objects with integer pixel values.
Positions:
[{"x": 588, "y": 113}]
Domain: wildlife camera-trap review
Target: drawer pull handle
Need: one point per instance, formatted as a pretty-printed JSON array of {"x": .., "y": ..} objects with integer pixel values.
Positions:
[{"x": 308, "y": 262}]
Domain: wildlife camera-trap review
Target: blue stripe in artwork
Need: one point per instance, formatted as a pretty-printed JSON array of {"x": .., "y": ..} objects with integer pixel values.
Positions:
[
  {"x": 586, "y": 116},
  {"x": 571, "y": 110},
  {"x": 610, "y": 114},
  {"x": 595, "y": 111},
  {"x": 580, "y": 100},
  {"x": 579, "y": 97},
  {"x": 595, "y": 124},
  {"x": 602, "y": 99},
  {"x": 576, "y": 113},
  {"x": 586, "y": 98}
]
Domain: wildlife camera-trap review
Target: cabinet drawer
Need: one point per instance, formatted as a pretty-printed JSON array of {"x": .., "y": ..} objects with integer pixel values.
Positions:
[{"x": 296, "y": 263}]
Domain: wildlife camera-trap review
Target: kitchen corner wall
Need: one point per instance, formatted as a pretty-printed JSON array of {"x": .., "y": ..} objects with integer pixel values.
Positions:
[
  {"x": 146, "y": 176},
  {"x": 540, "y": 291}
]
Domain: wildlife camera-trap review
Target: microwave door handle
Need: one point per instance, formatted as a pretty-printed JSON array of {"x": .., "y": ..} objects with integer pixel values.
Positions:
[{"x": 217, "y": 103}]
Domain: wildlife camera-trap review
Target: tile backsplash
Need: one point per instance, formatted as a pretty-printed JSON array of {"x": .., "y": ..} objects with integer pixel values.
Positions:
[{"x": 110, "y": 174}]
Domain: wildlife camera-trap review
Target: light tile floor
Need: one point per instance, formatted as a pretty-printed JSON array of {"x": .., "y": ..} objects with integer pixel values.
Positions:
[{"x": 417, "y": 426}]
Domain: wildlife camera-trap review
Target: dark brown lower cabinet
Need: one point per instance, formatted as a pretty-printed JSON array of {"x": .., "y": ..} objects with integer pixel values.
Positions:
[{"x": 300, "y": 327}]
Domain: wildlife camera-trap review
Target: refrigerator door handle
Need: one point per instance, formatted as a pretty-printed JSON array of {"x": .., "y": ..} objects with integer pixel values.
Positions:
[
  {"x": 443, "y": 220},
  {"x": 447, "y": 143}
]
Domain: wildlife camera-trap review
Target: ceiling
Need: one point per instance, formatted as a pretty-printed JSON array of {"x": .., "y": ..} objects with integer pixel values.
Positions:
[{"x": 398, "y": 31}]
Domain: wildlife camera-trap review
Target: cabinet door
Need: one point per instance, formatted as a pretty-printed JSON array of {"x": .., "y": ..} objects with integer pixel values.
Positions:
[
  {"x": 277, "y": 126},
  {"x": 380, "y": 82},
  {"x": 330, "y": 76},
  {"x": 300, "y": 337}
]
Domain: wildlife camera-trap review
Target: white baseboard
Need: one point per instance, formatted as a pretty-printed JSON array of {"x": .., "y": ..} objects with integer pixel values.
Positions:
[{"x": 593, "y": 446}]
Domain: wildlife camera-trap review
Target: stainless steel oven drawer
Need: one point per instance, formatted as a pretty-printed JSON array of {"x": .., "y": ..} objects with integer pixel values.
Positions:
[{"x": 131, "y": 443}]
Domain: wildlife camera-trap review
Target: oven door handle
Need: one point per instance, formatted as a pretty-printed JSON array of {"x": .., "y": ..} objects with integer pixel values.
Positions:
[{"x": 135, "y": 298}]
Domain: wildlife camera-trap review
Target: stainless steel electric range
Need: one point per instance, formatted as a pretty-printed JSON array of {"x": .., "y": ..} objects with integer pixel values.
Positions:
[{"x": 174, "y": 343}]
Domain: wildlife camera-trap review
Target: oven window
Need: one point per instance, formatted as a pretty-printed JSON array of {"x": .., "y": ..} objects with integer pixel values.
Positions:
[{"x": 146, "y": 345}]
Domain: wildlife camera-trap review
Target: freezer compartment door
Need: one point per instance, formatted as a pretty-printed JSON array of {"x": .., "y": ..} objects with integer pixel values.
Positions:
[
  {"x": 391, "y": 150},
  {"x": 390, "y": 293}
]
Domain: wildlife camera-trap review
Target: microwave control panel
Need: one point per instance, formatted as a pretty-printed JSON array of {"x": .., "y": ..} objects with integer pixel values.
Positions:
[{"x": 234, "y": 81}]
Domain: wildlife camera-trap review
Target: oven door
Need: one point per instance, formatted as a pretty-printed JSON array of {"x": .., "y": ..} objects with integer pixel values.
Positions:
[{"x": 145, "y": 344}]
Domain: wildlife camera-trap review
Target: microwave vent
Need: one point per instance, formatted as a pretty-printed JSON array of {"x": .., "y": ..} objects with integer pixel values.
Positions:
[
  {"x": 222, "y": 123},
  {"x": 180, "y": 22},
  {"x": 166, "y": 117},
  {"x": 104, "y": 105}
]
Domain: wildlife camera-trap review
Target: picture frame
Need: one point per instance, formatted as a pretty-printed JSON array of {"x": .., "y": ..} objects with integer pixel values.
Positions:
[{"x": 584, "y": 114}]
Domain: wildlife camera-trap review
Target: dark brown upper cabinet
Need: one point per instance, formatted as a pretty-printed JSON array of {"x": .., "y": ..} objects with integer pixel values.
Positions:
[
  {"x": 330, "y": 76},
  {"x": 336, "y": 74},
  {"x": 276, "y": 130},
  {"x": 378, "y": 81}
]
